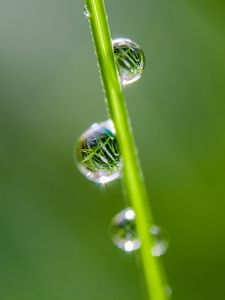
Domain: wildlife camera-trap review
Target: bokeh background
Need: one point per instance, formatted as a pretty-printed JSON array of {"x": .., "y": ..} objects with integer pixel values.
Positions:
[{"x": 54, "y": 241}]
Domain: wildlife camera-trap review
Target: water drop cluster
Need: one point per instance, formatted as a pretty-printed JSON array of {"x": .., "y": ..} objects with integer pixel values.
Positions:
[
  {"x": 99, "y": 160},
  {"x": 97, "y": 152},
  {"x": 124, "y": 234}
]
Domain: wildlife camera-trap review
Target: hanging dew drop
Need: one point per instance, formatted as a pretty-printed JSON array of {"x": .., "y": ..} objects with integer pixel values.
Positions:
[
  {"x": 129, "y": 59},
  {"x": 124, "y": 234},
  {"x": 97, "y": 153},
  {"x": 123, "y": 231}
]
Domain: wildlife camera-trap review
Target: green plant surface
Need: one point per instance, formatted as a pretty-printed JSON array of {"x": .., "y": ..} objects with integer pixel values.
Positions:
[
  {"x": 132, "y": 174},
  {"x": 54, "y": 223}
]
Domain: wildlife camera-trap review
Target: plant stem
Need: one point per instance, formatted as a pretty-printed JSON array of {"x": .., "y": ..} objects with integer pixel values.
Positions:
[{"x": 132, "y": 175}]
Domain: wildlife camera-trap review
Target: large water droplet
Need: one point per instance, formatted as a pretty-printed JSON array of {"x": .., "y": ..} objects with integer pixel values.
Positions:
[
  {"x": 123, "y": 231},
  {"x": 97, "y": 153},
  {"x": 124, "y": 235},
  {"x": 161, "y": 241},
  {"x": 130, "y": 60},
  {"x": 86, "y": 11}
]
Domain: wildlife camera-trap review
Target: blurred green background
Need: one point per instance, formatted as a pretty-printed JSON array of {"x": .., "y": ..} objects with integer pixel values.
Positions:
[{"x": 54, "y": 241}]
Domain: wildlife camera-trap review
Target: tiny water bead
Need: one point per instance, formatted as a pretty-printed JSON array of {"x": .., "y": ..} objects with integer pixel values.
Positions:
[
  {"x": 161, "y": 240},
  {"x": 97, "y": 153},
  {"x": 123, "y": 231},
  {"x": 124, "y": 234},
  {"x": 169, "y": 291},
  {"x": 129, "y": 59},
  {"x": 86, "y": 11}
]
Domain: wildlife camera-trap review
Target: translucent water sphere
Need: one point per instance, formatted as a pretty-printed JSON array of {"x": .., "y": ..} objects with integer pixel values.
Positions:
[
  {"x": 97, "y": 153},
  {"x": 124, "y": 235},
  {"x": 130, "y": 60},
  {"x": 123, "y": 231},
  {"x": 161, "y": 241}
]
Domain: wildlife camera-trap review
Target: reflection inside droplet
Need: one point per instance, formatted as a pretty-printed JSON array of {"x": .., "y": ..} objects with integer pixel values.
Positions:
[
  {"x": 129, "y": 59},
  {"x": 97, "y": 153}
]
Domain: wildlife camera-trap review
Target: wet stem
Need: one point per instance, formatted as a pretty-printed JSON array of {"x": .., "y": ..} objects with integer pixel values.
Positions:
[{"x": 132, "y": 174}]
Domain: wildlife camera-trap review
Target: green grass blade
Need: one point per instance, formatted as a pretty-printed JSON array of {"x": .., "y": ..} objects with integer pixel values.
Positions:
[{"x": 132, "y": 175}]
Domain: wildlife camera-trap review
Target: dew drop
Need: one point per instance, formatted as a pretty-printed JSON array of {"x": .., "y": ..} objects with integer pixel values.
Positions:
[
  {"x": 124, "y": 235},
  {"x": 86, "y": 11},
  {"x": 161, "y": 241},
  {"x": 123, "y": 231},
  {"x": 169, "y": 291},
  {"x": 97, "y": 153},
  {"x": 129, "y": 59}
]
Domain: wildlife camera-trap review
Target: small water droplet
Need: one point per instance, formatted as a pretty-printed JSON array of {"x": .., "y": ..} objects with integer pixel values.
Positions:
[
  {"x": 161, "y": 241},
  {"x": 86, "y": 11},
  {"x": 124, "y": 235},
  {"x": 129, "y": 59},
  {"x": 97, "y": 153},
  {"x": 169, "y": 291},
  {"x": 123, "y": 231}
]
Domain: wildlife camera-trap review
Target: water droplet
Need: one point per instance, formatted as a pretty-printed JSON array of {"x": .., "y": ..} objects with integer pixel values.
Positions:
[
  {"x": 86, "y": 11},
  {"x": 161, "y": 241},
  {"x": 123, "y": 231},
  {"x": 130, "y": 60},
  {"x": 169, "y": 291},
  {"x": 97, "y": 153},
  {"x": 124, "y": 235}
]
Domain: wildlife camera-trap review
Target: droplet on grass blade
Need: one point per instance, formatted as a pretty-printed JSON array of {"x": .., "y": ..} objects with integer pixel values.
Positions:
[
  {"x": 86, "y": 11},
  {"x": 124, "y": 234},
  {"x": 97, "y": 153},
  {"x": 161, "y": 241},
  {"x": 123, "y": 231},
  {"x": 129, "y": 59},
  {"x": 169, "y": 291}
]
